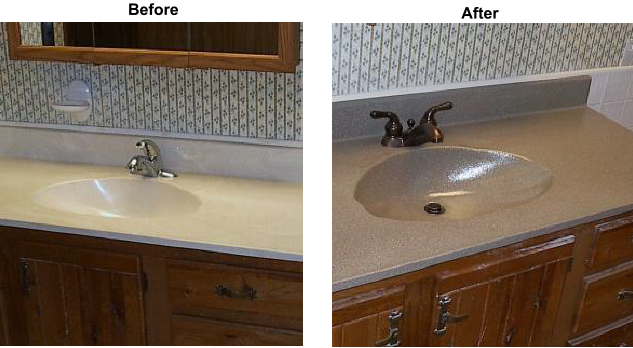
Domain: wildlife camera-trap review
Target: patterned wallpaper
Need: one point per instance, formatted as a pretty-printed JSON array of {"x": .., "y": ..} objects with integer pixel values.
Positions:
[
  {"x": 186, "y": 101},
  {"x": 31, "y": 33},
  {"x": 368, "y": 58}
]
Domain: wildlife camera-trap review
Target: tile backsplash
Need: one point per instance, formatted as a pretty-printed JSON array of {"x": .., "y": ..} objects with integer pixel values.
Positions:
[
  {"x": 200, "y": 102},
  {"x": 387, "y": 56},
  {"x": 612, "y": 94}
]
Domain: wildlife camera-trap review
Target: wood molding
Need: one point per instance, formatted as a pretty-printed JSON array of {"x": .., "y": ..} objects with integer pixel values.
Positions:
[{"x": 285, "y": 61}]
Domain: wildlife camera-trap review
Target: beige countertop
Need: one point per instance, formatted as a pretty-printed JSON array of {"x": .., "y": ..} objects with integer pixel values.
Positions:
[
  {"x": 590, "y": 156},
  {"x": 237, "y": 216}
]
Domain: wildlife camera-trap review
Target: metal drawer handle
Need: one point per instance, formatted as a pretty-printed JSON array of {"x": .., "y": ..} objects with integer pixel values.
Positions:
[
  {"x": 246, "y": 292},
  {"x": 393, "y": 340},
  {"x": 445, "y": 317},
  {"x": 624, "y": 294}
]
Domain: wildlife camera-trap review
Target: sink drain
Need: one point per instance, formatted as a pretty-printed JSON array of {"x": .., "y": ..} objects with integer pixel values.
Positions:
[{"x": 434, "y": 208}]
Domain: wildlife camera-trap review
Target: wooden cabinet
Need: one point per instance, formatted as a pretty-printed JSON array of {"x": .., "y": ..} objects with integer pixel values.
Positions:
[
  {"x": 503, "y": 297},
  {"x": 368, "y": 331},
  {"x": 572, "y": 287},
  {"x": 604, "y": 299},
  {"x": 511, "y": 301},
  {"x": 58, "y": 289},
  {"x": 76, "y": 296},
  {"x": 4, "y": 316},
  {"x": 201, "y": 331},
  {"x": 618, "y": 334},
  {"x": 230, "y": 305}
]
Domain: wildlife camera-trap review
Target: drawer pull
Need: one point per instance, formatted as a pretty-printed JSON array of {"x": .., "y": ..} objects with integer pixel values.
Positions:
[
  {"x": 393, "y": 340},
  {"x": 624, "y": 294},
  {"x": 445, "y": 317},
  {"x": 246, "y": 292}
]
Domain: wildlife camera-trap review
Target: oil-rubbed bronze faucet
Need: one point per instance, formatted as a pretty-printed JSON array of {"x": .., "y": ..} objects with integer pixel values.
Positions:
[{"x": 426, "y": 131}]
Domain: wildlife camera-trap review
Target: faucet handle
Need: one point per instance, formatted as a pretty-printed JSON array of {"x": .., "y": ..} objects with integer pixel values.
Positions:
[
  {"x": 393, "y": 128},
  {"x": 151, "y": 149},
  {"x": 429, "y": 115}
]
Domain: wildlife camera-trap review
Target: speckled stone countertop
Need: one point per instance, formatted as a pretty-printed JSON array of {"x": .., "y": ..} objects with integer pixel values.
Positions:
[{"x": 591, "y": 159}]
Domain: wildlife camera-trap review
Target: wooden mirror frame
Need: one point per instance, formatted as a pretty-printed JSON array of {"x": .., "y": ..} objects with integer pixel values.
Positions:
[{"x": 286, "y": 59}]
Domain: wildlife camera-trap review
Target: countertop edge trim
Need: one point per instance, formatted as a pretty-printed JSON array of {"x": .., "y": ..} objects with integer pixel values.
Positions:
[{"x": 232, "y": 250}]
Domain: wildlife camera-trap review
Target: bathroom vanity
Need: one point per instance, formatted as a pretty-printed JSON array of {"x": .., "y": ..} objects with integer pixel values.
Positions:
[
  {"x": 533, "y": 248},
  {"x": 570, "y": 287},
  {"x": 60, "y": 289}
]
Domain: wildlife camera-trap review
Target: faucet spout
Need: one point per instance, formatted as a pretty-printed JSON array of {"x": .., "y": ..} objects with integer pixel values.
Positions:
[
  {"x": 149, "y": 165},
  {"x": 426, "y": 131}
]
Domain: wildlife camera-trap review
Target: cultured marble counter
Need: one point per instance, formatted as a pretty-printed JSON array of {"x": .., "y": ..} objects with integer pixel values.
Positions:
[
  {"x": 236, "y": 216},
  {"x": 591, "y": 159}
]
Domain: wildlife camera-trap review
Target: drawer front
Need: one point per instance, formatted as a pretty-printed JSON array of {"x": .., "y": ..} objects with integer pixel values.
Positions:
[
  {"x": 614, "y": 244},
  {"x": 619, "y": 334},
  {"x": 605, "y": 298},
  {"x": 192, "y": 331},
  {"x": 195, "y": 286}
]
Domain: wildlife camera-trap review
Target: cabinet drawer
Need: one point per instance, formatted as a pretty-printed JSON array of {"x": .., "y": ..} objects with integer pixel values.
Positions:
[
  {"x": 614, "y": 244},
  {"x": 619, "y": 334},
  {"x": 192, "y": 331},
  {"x": 603, "y": 301},
  {"x": 197, "y": 288}
]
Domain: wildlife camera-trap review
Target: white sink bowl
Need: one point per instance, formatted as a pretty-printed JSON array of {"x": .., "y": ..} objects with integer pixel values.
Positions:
[
  {"x": 118, "y": 198},
  {"x": 465, "y": 181}
]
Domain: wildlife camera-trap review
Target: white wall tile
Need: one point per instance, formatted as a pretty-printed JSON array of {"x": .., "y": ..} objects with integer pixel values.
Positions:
[
  {"x": 598, "y": 86},
  {"x": 627, "y": 114},
  {"x": 595, "y": 107},
  {"x": 629, "y": 94},
  {"x": 617, "y": 85},
  {"x": 613, "y": 111}
]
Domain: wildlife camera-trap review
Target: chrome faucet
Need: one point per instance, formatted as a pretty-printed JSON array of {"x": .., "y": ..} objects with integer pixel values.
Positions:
[
  {"x": 151, "y": 164},
  {"x": 426, "y": 131}
]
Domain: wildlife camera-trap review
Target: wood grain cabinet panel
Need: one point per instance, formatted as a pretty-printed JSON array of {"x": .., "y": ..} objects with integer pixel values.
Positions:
[
  {"x": 61, "y": 289},
  {"x": 368, "y": 331},
  {"x": 617, "y": 334},
  {"x": 604, "y": 299},
  {"x": 4, "y": 328},
  {"x": 251, "y": 296},
  {"x": 201, "y": 331},
  {"x": 68, "y": 298},
  {"x": 508, "y": 303},
  {"x": 613, "y": 245}
]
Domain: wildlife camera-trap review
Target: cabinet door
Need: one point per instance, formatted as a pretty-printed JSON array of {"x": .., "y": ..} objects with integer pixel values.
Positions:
[
  {"x": 511, "y": 301},
  {"x": 368, "y": 331},
  {"x": 74, "y": 296}
]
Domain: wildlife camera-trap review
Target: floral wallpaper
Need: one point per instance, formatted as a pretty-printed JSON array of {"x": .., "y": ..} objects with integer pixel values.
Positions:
[
  {"x": 31, "y": 33},
  {"x": 382, "y": 56},
  {"x": 181, "y": 101}
]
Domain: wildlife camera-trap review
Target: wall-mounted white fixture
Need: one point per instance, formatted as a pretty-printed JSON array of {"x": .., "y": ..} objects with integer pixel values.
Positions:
[{"x": 76, "y": 101}]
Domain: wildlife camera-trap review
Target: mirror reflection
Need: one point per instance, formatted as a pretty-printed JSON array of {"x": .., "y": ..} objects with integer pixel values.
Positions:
[{"x": 221, "y": 37}]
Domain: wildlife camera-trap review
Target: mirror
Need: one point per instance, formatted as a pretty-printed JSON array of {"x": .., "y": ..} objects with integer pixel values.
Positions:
[{"x": 262, "y": 46}]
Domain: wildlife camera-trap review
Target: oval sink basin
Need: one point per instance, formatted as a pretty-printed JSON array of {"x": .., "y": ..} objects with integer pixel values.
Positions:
[
  {"x": 464, "y": 181},
  {"x": 118, "y": 198}
]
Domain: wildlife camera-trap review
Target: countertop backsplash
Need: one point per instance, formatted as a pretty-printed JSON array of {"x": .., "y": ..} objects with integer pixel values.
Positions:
[{"x": 200, "y": 103}]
